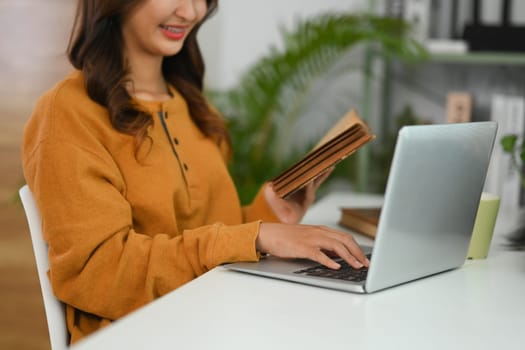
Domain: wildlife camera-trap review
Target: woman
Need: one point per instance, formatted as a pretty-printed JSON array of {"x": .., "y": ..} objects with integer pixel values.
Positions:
[{"x": 127, "y": 164}]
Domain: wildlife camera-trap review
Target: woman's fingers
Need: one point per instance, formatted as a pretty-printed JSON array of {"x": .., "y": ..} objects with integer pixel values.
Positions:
[
  {"x": 351, "y": 245},
  {"x": 322, "y": 178},
  {"x": 309, "y": 195},
  {"x": 292, "y": 209},
  {"x": 345, "y": 247},
  {"x": 325, "y": 175},
  {"x": 344, "y": 253},
  {"x": 310, "y": 242},
  {"x": 321, "y": 258}
]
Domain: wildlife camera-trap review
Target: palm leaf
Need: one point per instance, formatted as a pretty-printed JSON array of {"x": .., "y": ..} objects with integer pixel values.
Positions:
[{"x": 272, "y": 96}]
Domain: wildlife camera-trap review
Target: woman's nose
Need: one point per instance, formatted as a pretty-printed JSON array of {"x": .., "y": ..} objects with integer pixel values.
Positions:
[{"x": 186, "y": 10}]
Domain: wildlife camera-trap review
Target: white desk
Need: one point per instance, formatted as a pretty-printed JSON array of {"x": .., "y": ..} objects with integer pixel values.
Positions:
[{"x": 479, "y": 306}]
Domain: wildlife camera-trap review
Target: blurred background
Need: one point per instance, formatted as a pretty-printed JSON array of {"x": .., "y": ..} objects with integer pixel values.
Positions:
[
  {"x": 295, "y": 66},
  {"x": 32, "y": 59}
]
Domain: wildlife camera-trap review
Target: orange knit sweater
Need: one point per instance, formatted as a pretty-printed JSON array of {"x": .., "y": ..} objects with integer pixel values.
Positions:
[{"x": 125, "y": 228}]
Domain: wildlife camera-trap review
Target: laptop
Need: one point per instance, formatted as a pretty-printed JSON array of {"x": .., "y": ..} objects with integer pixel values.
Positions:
[{"x": 430, "y": 204}]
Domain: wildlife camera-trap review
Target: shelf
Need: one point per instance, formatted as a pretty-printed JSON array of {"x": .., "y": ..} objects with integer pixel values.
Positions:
[{"x": 488, "y": 58}]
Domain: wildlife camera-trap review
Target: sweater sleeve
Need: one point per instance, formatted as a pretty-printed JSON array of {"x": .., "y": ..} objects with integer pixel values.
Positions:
[
  {"x": 98, "y": 263},
  {"x": 259, "y": 209}
]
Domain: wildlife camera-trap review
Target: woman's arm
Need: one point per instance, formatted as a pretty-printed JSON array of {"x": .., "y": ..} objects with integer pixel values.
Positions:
[{"x": 99, "y": 263}]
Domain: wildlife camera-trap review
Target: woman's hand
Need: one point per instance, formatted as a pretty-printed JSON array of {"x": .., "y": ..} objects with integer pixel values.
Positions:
[
  {"x": 292, "y": 209},
  {"x": 316, "y": 243}
]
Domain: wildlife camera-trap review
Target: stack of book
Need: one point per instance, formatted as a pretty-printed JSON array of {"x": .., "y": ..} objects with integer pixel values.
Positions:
[{"x": 361, "y": 220}]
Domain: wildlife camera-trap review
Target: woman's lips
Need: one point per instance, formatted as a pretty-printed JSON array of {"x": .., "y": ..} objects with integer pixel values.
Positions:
[{"x": 173, "y": 32}]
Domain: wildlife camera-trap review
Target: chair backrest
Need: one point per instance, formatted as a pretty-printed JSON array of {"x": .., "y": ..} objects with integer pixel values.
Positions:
[{"x": 55, "y": 310}]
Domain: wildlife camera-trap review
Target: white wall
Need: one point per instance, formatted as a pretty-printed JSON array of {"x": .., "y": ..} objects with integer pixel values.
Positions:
[
  {"x": 35, "y": 37},
  {"x": 32, "y": 57},
  {"x": 243, "y": 30}
]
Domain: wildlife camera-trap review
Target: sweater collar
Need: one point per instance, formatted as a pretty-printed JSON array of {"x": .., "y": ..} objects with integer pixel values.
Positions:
[{"x": 169, "y": 105}]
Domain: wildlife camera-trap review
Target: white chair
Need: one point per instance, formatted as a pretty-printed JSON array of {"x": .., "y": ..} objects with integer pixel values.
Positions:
[{"x": 55, "y": 310}]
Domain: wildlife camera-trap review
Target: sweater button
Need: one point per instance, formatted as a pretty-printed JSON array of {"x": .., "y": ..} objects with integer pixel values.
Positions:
[
  {"x": 176, "y": 140},
  {"x": 166, "y": 115},
  {"x": 186, "y": 167}
]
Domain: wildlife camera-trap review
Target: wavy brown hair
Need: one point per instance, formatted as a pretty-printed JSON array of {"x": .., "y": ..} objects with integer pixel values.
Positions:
[{"x": 96, "y": 48}]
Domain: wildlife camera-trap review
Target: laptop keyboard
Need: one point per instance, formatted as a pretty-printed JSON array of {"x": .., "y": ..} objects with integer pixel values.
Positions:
[{"x": 345, "y": 273}]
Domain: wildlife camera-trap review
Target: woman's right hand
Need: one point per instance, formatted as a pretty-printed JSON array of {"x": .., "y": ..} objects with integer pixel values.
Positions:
[{"x": 316, "y": 243}]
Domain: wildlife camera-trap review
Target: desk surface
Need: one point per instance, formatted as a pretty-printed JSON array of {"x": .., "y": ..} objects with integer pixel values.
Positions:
[{"x": 479, "y": 306}]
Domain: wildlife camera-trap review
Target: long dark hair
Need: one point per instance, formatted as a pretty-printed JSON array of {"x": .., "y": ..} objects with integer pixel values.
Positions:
[{"x": 96, "y": 48}]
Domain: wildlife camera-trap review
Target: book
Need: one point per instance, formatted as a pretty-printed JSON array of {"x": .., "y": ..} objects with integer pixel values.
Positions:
[
  {"x": 361, "y": 220},
  {"x": 459, "y": 107},
  {"x": 342, "y": 140}
]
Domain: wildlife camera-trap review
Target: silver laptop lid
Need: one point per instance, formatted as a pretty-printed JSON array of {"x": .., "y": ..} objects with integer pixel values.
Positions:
[{"x": 431, "y": 201}]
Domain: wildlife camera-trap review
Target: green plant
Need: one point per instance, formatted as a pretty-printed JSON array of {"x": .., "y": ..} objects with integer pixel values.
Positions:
[
  {"x": 272, "y": 96},
  {"x": 512, "y": 146}
]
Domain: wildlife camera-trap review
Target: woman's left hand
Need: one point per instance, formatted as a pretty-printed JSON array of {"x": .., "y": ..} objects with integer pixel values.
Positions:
[{"x": 292, "y": 209}]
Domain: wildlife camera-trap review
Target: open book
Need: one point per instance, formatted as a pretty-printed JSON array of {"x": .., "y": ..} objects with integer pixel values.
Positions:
[
  {"x": 343, "y": 139},
  {"x": 361, "y": 220}
]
